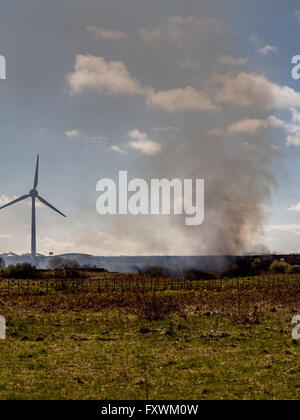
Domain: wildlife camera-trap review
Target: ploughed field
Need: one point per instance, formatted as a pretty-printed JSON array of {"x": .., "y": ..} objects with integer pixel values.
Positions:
[{"x": 166, "y": 338}]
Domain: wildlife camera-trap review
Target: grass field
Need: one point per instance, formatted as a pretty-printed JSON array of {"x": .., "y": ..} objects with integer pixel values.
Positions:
[{"x": 225, "y": 344}]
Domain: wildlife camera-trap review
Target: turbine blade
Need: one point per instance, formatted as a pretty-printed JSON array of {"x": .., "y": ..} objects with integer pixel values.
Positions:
[
  {"x": 36, "y": 178},
  {"x": 15, "y": 201},
  {"x": 50, "y": 205}
]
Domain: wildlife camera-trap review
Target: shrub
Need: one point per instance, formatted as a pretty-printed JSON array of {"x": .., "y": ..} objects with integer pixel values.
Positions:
[
  {"x": 295, "y": 269},
  {"x": 155, "y": 307},
  {"x": 59, "y": 263},
  {"x": 20, "y": 271},
  {"x": 88, "y": 266},
  {"x": 279, "y": 267},
  {"x": 199, "y": 275},
  {"x": 155, "y": 271},
  {"x": 242, "y": 268},
  {"x": 257, "y": 265}
]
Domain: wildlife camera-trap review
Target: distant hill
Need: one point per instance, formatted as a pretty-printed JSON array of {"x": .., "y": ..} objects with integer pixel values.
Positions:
[{"x": 124, "y": 264}]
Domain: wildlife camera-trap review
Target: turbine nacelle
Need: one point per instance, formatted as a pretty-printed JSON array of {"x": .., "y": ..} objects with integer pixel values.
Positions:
[{"x": 34, "y": 194}]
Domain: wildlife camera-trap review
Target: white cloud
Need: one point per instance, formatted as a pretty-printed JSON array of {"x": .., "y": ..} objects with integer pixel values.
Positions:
[
  {"x": 295, "y": 117},
  {"x": 293, "y": 140},
  {"x": 293, "y": 129},
  {"x": 244, "y": 89},
  {"x": 76, "y": 134},
  {"x": 297, "y": 13},
  {"x": 252, "y": 89},
  {"x": 275, "y": 122},
  {"x": 185, "y": 99},
  {"x": 214, "y": 132},
  {"x": 229, "y": 60},
  {"x": 112, "y": 77},
  {"x": 267, "y": 49},
  {"x": 295, "y": 208},
  {"x": 5, "y": 199},
  {"x": 168, "y": 129},
  {"x": 178, "y": 28},
  {"x": 253, "y": 126},
  {"x": 95, "y": 139},
  {"x": 4, "y": 236},
  {"x": 261, "y": 48},
  {"x": 72, "y": 134},
  {"x": 47, "y": 244},
  {"x": 295, "y": 229},
  {"x": 95, "y": 73},
  {"x": 141, "y": 143},
  {"x": 100, "y": 33},
  {"x": 248, "y": 126},
  {"x": 115, "y": 148}
]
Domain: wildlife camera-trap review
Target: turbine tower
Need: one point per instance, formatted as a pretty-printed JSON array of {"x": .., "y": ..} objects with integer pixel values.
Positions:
[{"x": 34, "y": 195}]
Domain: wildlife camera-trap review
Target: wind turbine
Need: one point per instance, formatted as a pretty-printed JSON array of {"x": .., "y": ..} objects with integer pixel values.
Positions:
[{"x": 34, "y": 195}]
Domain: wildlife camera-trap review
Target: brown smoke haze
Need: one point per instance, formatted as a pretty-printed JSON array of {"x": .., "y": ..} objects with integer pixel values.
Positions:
[{"x": 221, "y": 129}]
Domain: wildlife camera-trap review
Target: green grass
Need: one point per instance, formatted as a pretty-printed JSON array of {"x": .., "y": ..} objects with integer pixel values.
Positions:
[{"x": 114, "y": 355}]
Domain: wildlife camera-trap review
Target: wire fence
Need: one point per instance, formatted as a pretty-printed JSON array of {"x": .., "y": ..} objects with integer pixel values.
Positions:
[{"x": 137, "y": 282}]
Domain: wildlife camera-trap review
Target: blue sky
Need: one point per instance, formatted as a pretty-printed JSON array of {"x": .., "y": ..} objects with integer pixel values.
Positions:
[{"x": 199, "y": 86}]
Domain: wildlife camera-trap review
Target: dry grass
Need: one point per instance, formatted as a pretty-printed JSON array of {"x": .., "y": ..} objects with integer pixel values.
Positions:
[
  {"x": 161, "y": 304},
  {"x": 218, "y": 343}
]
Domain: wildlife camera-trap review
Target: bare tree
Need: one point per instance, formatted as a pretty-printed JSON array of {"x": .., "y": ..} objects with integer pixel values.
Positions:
[{"x": 60, "y": 263}]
